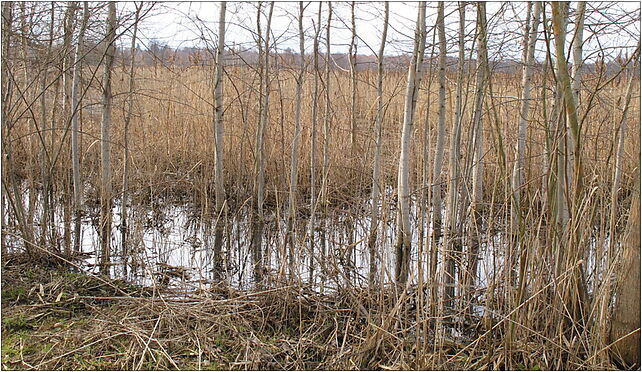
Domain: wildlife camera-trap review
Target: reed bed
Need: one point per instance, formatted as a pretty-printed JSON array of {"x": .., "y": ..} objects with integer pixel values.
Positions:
[{"x": 171, "y": 135}]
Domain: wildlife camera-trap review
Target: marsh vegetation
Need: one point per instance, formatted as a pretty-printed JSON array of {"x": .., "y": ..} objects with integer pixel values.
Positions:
[{"x": 462, "y": 193}]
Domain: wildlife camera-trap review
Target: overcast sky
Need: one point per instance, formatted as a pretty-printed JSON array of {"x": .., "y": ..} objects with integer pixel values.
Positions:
[{"x": 187, "y": 24}]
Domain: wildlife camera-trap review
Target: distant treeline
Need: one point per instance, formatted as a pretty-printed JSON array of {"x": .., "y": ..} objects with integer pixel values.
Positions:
[{"x": 191, "y": 56}]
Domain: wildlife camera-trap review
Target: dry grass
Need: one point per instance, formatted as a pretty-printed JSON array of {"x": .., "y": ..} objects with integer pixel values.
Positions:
[
  {"x": 56, "y": 320},
  {"x": 171, "y": 140}
]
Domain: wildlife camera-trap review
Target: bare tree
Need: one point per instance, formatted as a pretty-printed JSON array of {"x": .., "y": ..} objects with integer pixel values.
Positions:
[
  {"x": 352, "y": 56},
  {"x": 530, "y": 39},
  {"x": 219, "y": 132},
  {"x": 126, "y": 157},
  {"x": 403, "y": 245},
  {"x": 68, "y": 66},
  {"x": 575, "y": 291},
  {"x": 259, "y": 165},
  {"x": 478, "y": 138},
  {"x": 313, "y": 142},
  {"x": 294, "y": 158},
  {"x": 75, "y": 130},
  {"x": 105, "y": 141},
  {"x": 9, "y": 182},
  {"x": 325, "y": 167},
  {"x": 439, "y": 151},
  {"x": 45, "y": 158},
  {"x": 453, "y": 238},
  {"x": 376, "y": 168}
]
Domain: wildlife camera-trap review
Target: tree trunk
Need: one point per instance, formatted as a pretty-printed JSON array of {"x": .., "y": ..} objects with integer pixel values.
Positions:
[
  {"x": 294, "y": 158},
  {"x": 629, "y": 245},
  {"x": 45, "y": 159},
  {"x": 376, "y": 168},
  {"x": 559, "y": 30},
  {"x": 453, "y": 233},
  {"x": 327, "y": 118},
  {"x": 575, "y": 79},
  {"x": 478, "y": 146},
  {"x": 439, "y": 154},
  {"x": 574, "y": 290},
  {"x": 75, "y": 130},
  {"x": 9, "y": 181},
  {"x": 259, "y": 165},
  {"x": 530, "y": 39},
  {"x": 130, "y": 106},
  {"x": 578, "y": 44},
  {"x": 313, "y": 144},
  {"x": 476, "y": 209},
  {"x": 68, "y": 66},
  {"x": 625, "y": 322},
  {"x": 219, "y": 132},
  {"x": 352, "y": 56},
  {"x": 7, "y": 21},
  {"x": 403, "y": 246},
  {"x": 105, "y": 142}
]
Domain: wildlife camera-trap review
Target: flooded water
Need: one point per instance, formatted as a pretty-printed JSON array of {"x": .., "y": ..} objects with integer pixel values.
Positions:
[{"x": 171, "y": 246}]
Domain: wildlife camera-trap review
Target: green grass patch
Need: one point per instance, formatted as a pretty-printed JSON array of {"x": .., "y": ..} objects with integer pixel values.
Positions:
[
  {"x": 13, "y": 294},
  {"x": 15, "y": 323}
]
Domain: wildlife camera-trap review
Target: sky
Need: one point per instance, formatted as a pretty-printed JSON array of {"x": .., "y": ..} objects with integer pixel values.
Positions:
[{"x": 195, "y": 24}]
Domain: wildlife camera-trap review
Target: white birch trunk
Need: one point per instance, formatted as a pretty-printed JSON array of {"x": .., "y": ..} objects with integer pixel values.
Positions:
[
  {"x": 219, "y": 133},
  {"x": 578, "y": 44},
  {"x": 404, "y": 233},
  {"x": 530, "y": 39},
  {"x": 478, "y": 145}
]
